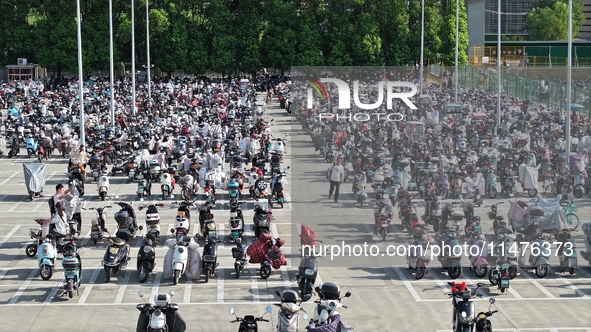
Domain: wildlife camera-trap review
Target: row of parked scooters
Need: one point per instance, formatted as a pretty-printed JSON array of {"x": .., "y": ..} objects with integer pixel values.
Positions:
[{"x": 163, "y": 314}]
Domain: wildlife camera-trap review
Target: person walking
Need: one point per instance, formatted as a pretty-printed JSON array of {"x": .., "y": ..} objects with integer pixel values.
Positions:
[{"x": 336, "y": 175}]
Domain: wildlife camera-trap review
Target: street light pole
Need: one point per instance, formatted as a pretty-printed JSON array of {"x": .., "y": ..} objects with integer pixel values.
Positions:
[
  {"x": 457, "y": 47},
  {"x": 80, "y": 75},
  {"x": 133, "y": 57},
  {"x": 568, "y": 77},
  {"x": 498, "y": 70},
  {"x": 148, "y": 48},
  {"x": 422, "y": 45},
  {"x": 112, "y": 74}
]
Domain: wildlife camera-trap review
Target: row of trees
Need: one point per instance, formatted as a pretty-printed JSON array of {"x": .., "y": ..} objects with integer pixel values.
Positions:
[
  {"x": 229, "y": 35},
  {"x": 235, "y": 35}
]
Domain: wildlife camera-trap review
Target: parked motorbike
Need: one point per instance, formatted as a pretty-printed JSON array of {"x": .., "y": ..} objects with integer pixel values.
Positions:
[
  {"x": 103, "y": 186},
  {"x": 566, "y": 254},
  {"x": 306, "y": 277},
  {"x": 482, "y": 323},
  {"x": 97, "y": 228},
  {"x": 539, "y": 257},
  {"x": 46, "y": 257},
  {"x": 166, "y": 185},
  {"x": 162, "y": 316},
  {"x": 116, "y": 257},
  {"x": 330, "y": 300},
  {"x": 210, "y": 256},
  {"x": 288, "y": 318},
  {"x": 261, "y": 220},
  {"x": 239, "y": 255},
  {"x": 464, "y": 314},
  {"x": 153, "y": 221},
  {"x": 249, "y": 323},
  {"x": 450, "y": 257},
  {"x": 72, "y": 265},
  {"x": 146, "y": 257},
  {"x": 499, "y": 276},
  {"x": 236, "y": 222}
]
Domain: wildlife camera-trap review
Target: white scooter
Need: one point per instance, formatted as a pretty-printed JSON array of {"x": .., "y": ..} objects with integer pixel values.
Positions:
[
  {"x": 182, "y": 224},
  {"x": 103, "y": 186},
  {"x": 166, "y": 185},
  {"x": 46, "y": 257},
  {"x": 180, "y": 257},
  {"x": 288, "y": 317}
]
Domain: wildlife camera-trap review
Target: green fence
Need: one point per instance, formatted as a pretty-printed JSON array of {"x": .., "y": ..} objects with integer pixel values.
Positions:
[{"x": 521, "y": 86}]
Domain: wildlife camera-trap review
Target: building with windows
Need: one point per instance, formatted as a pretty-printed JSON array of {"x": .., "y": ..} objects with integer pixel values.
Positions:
[{"x": 513, "y": 14}]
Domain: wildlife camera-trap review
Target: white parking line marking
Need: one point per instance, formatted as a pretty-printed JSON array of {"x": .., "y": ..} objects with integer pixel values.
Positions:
[
  {"x": 221, "y": 235},
  {"x": 5, "y": 239},
  {"x": 285, "y": 276},
  {"x": 55, "y": 289},
  {"x": 407, "y": 284},
  {"x": 37, "y": 206},
  {"x": 156, "y": 285},
  {"x": 443, "y": 286},
  {"x": 89, "y": 286},
  {"x": 254, "y": 288},
  {"x": 573, "y": 287},
  {"x": 220, "y": 275},
  {"x": 9, "y": 178},
  {"x": 22, "y": 288},
  {"x": 484, "y": 296},
  {"x": 122, "y": 289},
  {"x": 537, "y": 284},
  {"x": 188, "y": 288},
  {"x": 17, "y": 204}
]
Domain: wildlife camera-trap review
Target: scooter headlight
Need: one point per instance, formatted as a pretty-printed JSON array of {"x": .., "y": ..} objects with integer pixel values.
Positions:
[
  {"x": 147, "y": 249},
  {"x": 308, "y": 272},
  {"x": 478, "y": 196},
  {"x": 45, "y": 251}
]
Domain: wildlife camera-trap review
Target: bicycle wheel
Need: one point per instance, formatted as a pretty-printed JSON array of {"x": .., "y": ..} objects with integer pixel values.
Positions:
[
  {"x": 550, "y": 191},
  {"x": 572, "y": 218}
]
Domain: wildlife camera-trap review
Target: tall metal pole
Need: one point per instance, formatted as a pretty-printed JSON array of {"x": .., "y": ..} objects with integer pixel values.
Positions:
[
  {"x": 133, "y": 57},
  {"x": 112, "y": 74},
  {"x": 422, "y": 45},
  {"x": 80, "y": 75},
  {"x": 457, "y": 47},
  {"x": 148, "y": 48},
  {"x": 498, "y": 70},
  {"x": 568, "y": 76}
]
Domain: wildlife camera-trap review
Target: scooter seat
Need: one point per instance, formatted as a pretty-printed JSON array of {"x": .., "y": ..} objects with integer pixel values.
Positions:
[
  {"x": 522, "y": 204},
  {"x": 499, "y": 218},
  {"x": 117, "y": 242}
]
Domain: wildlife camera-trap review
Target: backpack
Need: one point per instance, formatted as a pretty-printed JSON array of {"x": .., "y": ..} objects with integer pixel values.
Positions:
[{"x": 52, "y": 209}]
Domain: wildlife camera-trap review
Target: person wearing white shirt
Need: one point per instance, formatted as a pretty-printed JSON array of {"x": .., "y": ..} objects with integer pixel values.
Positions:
[{"x": 336, "y": 175}]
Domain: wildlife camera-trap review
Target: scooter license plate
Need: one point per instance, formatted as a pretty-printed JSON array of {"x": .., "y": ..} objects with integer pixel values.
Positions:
[
  {"x": 140, "y": 190},
  {"x": 69, "y": 276},
  {"x": 233, "y": 214},
  {"x": 505, "y": 283},
  {"x": 572, "y": 262},
  {"x": 384, "y": 225},
  {"x": 235, "y": 233},
  {"x": 94, "y": 234}
]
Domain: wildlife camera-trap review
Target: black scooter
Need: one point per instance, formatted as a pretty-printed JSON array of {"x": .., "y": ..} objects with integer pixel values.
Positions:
[
  {"x": 116, "y": 257},
  {"x": 209, "y": 258},
  {"x": 239, "y": 254},
  {"x": 261, "y": 220},
  {"x": 306, "y": 277},
  {"x": 249, "y": 323},
  {"x": 146, "y": 257}
]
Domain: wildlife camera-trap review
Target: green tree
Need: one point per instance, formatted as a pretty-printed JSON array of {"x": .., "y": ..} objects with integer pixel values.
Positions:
[
  {"x": 447, "y": 32},
  {"x": 279, "y": 37},
  {"x": 336, "y": 29},
  {"x": 222, "y": 42},
  {"x": 308, "y": 40},
  {"x": 432, "y": 42},
  {"x": 367, "y": 44},
  {"x": 248, "y": 27},
  {"x": 548, "y": 20},
  {"x": 393, "y": 20},
  {"x": 15, "y": 31}
]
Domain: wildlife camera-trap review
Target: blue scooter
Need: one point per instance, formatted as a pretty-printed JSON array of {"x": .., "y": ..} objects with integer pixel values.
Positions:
[
  {"x": 491, "y": 185},
  {"x": 31, "y": 145},
  {"x": 72, "y": 265},
  {"x": 46, "y": 257}
]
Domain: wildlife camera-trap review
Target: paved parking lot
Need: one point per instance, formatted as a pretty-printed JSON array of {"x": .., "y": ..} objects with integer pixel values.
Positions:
[{"x": 386, "y": 296}]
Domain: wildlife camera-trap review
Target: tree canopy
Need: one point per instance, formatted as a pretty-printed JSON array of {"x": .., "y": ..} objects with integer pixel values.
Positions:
[
  {"x": 229, "y": 36},
  {"x": 548, "y": 20}
]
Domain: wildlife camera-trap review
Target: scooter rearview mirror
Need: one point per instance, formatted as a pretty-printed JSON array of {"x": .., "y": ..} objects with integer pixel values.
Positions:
[
  {"x": 171, "y": 293},
  {"x": 141, "y": 200},
  {"x": 492, "y": 301},
  {"x": 480, "y": 284},
  {"x": 268, "y": 309},
  {"x": 305, "y": 316},
  {"x": 347, "y": 294},
  {"x": 172, "y": 230},
  {"x": 140, "y": 294},
  {"x": 232, "y": 311},
  {"x": 461, "y": 196},
  {"x": 278, "y": 293}
]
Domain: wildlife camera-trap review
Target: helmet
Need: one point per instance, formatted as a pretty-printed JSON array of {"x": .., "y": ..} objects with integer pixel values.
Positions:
[{"x": 289, "y": 296}]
